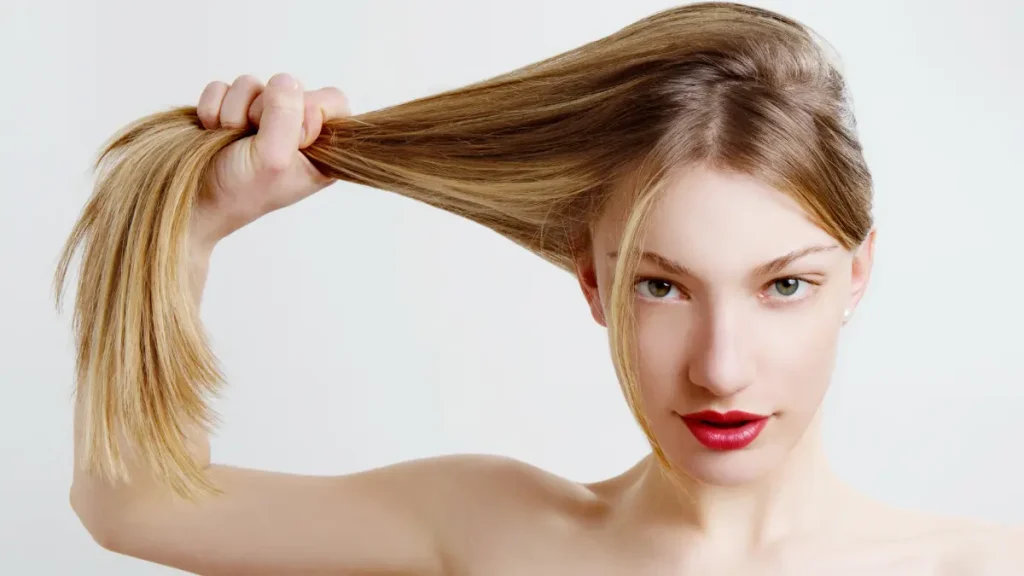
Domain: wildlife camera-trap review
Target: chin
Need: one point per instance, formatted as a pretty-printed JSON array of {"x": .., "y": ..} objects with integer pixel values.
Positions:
[{"x": 733, "y": 468}]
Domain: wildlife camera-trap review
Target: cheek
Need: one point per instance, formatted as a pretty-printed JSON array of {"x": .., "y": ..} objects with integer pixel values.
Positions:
[
  {"x": 797, "y": 353},
  {"x": 662, "y": 337},
  {"x": 791, "y": 351}
]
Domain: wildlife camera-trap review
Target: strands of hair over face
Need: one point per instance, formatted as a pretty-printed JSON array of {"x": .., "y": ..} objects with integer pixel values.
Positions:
[{"x": 533, "y": 155}]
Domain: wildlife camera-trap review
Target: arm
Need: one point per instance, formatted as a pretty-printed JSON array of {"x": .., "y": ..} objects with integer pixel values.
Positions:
[
  {"x": 1002, "y": 551},
  {"x": 273, "y": 523},
  {"x": 380, "y": 521}
]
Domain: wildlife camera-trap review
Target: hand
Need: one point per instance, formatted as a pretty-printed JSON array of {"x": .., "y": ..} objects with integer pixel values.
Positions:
[{"x": 264, "y": 172}]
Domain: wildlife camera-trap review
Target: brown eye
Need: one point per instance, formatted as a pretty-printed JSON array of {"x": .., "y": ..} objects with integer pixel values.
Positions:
[{"x": 659, "y": 288}]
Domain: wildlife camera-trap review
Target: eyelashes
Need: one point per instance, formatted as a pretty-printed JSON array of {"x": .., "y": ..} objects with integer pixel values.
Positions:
[
  {"x": 655, "y": 288},
  {"x": 780, "y": 291},
  {"x": 789, "y": 288}
]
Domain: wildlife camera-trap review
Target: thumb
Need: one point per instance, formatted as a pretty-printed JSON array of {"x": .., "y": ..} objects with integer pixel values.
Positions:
[{"x": 280, "y": 126}]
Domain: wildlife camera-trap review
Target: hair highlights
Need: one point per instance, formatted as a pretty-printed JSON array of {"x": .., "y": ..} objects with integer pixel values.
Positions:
[{"x": 533, "y": 154}]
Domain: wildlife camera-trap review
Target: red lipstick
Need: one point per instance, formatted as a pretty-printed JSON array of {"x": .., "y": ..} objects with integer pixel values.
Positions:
[{"x": 730, "y": 431}]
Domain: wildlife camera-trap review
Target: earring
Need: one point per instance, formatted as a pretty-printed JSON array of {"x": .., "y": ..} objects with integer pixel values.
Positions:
[{"x": 846, "y": 316}]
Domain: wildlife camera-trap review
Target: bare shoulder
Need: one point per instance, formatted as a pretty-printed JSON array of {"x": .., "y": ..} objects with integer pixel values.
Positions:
[
  {"x": 493, "y": 504},
  {"x": 980, "y": 548},
  {"x": 486, "y": 476},
  {"x": 505, "y": 488},
  {"x": 941, "y": 545},
  {"x": 969, "y": 546}
]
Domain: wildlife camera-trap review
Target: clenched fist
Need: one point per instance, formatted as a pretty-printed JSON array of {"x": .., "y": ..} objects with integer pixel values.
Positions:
[{"x": 266, "y": 171}]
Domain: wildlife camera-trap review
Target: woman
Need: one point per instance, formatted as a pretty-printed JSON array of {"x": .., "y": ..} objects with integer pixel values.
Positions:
[{"x": 697, "y": 171}]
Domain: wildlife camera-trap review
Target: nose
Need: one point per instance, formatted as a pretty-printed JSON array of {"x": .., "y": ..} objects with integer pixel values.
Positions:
[{"x": 721, "y": 362}]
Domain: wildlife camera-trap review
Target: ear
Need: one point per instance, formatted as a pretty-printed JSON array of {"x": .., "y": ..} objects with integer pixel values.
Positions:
[
  {"x": 863, "y": 261},
  {"x": 586, "y": 273}
]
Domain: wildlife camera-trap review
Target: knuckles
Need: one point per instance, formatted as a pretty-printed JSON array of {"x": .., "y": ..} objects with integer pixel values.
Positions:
[
  {"x": 286, "y": 100},
  {"x": 245, "y": 81}
]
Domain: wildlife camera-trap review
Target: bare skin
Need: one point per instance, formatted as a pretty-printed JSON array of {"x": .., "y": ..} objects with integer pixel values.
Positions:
[{"x": 774, "y": 508}]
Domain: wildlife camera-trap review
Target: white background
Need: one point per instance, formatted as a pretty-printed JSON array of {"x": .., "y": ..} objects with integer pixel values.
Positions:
[{"x": 360, "y": 328}]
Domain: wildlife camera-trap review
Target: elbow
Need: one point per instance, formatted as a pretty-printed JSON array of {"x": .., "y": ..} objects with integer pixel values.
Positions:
[{"x": 100, "y": 520}]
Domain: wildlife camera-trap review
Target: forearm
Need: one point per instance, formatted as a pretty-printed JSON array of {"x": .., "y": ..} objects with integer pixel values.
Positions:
[{"x": 200, "y": 252}]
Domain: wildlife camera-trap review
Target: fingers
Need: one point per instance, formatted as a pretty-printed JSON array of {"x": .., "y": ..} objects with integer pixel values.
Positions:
[
  {"x": 248, "y": 102},
  {"x": 256, "y": 110},
  {"x": 280, "y": 123},
  {"x": 321, "y": 106},
  {"x": 241, "y": 104},
  {"x": 234, "y": 112},
  {"x": 209, "y": 105}
]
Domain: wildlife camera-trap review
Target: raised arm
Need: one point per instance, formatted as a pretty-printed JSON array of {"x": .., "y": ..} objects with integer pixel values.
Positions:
[{"x": 384, "y": 521}]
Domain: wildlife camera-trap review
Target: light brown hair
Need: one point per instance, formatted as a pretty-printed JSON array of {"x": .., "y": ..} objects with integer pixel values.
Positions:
[{"x": 532, "y": 154}]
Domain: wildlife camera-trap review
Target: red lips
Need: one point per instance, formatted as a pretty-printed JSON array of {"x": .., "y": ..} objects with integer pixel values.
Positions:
[{"x": 729, "y": 431}]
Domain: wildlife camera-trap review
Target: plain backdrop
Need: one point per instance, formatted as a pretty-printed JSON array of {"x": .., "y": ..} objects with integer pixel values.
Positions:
[{"x": 359, "y": 328}]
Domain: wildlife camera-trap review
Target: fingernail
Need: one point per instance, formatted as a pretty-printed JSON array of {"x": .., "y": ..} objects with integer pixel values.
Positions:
[{"x": 283, "y": 81}]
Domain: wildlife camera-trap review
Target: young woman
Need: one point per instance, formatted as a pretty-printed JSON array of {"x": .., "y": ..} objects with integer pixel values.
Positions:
[{"x": 697, "y": 171}]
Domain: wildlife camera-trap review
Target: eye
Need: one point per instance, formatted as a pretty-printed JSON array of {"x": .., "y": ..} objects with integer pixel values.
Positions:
[
  {"x": 657, "y": 289},
  {"x": 787, "y": 288}
]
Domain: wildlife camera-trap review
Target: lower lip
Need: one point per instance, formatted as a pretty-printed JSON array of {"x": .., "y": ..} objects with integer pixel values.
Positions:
[{"x": 725, "y": 438}]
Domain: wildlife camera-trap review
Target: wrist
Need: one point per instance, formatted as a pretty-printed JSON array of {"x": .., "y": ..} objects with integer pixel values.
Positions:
[
  {"x": 202, "y": 233},
  {"x": 200, "y": 250}
]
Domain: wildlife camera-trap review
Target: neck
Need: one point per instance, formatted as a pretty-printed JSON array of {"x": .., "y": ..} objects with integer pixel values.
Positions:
[{"x": 799, "y": 498}]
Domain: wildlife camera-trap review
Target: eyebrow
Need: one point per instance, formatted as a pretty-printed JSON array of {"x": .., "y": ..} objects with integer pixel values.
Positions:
[{"x": 773, "y": 266}]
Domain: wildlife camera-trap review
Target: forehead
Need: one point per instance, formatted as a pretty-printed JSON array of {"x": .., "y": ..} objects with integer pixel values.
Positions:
[{"x": 720, "y": 219}]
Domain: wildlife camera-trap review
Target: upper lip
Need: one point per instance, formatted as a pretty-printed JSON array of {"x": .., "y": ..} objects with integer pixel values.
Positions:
[{"x": 724, "y": 418}]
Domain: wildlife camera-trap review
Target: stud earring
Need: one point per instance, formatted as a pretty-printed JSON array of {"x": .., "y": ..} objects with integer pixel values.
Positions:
[{"x": 846, "y": 316}]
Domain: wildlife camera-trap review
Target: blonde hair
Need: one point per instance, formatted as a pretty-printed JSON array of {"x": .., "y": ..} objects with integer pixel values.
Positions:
[{"x": 533, "y": 154}]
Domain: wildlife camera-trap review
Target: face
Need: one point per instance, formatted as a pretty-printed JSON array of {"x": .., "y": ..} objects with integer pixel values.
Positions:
[{"x": 738, "y": 306}]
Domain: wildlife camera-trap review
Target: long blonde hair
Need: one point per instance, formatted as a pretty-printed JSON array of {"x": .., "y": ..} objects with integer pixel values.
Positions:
[{"x": 533, "y": 154}]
